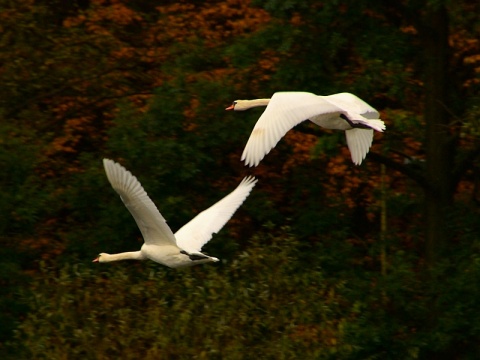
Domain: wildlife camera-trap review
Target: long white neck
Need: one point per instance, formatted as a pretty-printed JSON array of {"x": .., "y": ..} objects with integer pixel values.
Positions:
[
  {"x": 248, "y": 104},
  {"x": 131, "y": 255}
]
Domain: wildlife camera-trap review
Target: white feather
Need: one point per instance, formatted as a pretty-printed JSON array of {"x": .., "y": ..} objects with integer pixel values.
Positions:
[
  {"x": 284, "y": 111},
  {"x": 151, "y": 223},
  {"x": 359, "y": 142},
  {"x": 287, "y": 109},
  {"x": 161, "y": 245},
  {"x": 193, "y": 235}
]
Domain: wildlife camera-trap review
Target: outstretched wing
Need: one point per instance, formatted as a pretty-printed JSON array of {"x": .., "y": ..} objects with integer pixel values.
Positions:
[
  {"x": 284, "y": 111},
  {"x": 196, "y": 233},
  {"x": 151, "y": 223},
  {"x": 357, "y": 110},
  {"x": 359, "y": 142},
  {"x": 352, "y": 103}
]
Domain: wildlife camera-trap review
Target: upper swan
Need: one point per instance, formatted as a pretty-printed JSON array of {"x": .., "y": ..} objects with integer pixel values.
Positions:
[{"x": 343, "y": 111}]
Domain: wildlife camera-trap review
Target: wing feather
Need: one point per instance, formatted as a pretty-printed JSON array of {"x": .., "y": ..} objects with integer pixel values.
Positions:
[
  {"x": 284, "y": 111},
  {"x": 353, "y": 106},
  {"x": 359, "y": 142},
  {"x": 353, "y": 103},
  {"x": 151, "y": 223},
  {"x": 196, "y": 233}
]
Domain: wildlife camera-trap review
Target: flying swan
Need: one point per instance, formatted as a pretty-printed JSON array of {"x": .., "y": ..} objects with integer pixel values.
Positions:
[
  {"x": 161, "y": 245},
  {"x": 284, "y": 110}
]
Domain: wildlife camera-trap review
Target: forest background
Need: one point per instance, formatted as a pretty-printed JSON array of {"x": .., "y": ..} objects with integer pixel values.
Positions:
[{"x": 325, "y": 260}]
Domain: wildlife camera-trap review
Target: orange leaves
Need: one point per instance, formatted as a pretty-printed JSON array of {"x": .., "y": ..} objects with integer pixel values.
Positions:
[
  {"x": 409, "y": 29},
  {"x": 74, "y": 131},
  {"x": 74, "y": 21},
  {"x": 115, "y": 12},
  {"x": 104, "y": 26},
  {"x": 46, "y": 246},
  {"x": 118, "y": 13},
  {"x": 468, "y": 51},
  {"x": 296, "y": 19},
  {"x": 343, "y": 179},
  {"x": 124, "y": 52},
  {"x": 212, "y": 22},
  {"x": 267, "y": 65},
  {"x": 302, "y": 145},
  {"x": 464, "y": 43}
]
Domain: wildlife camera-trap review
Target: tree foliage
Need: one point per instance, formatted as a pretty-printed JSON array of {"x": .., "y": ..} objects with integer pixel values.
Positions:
[{"x": 146, "y": 83}]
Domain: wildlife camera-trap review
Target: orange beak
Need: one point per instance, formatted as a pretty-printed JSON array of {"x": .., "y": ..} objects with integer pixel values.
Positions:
[
  {"x": 231, "y": 107},
  {"x": 95, "y": 260}
]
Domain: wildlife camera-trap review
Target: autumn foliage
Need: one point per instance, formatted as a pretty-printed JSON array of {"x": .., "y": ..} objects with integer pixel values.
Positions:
[{"x": 325, "y": 260}]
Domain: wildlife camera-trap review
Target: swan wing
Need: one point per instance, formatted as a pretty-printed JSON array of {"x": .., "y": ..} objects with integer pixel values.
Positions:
[
  {"x": 196, "y": 233},
  {"x": 359, "y": 142},
  {"x": 357, "y": 110},
  {"x": 151, "y": 223},
  {"x": 284, "y": 111},
  {"x": 352, "y": 103}
]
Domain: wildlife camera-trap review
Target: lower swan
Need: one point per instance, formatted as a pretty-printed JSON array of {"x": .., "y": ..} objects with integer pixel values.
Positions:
[{"x": 161, "y": 245}]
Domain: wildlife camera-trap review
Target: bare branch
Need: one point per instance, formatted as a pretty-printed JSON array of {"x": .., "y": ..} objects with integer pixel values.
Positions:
[
  {"x": 402, "y": 168},
  {"x": 410, "y": 172}
]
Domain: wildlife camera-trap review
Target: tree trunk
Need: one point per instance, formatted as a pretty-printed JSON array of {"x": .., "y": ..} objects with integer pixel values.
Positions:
[
  {"x": 439, "y": 147},
  {"x": 440, "y": 153}
]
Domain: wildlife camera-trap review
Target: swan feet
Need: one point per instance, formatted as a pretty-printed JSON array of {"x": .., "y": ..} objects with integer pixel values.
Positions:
[
  {"x": 354, "y": 125},
  {"x": 196, "y": 256}
]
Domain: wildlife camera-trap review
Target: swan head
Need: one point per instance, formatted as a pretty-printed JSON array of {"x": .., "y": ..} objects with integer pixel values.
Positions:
[
  {"x": 102, "y": 257},
  {"x": 241, "y": 105},
  {"x": 233, "y": 106}
]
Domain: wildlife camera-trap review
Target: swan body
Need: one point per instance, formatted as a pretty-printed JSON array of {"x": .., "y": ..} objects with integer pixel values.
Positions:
[
  {"x": 161, "y": 245},
  {"x": 343, "y": 111}
]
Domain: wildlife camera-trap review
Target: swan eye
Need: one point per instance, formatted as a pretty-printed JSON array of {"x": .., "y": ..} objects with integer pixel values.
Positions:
[{"x": 234, "y": 103}]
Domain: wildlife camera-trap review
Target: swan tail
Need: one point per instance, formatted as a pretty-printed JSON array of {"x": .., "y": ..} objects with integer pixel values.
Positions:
[
  {"x": 195, "y": 256},
  {"x": 376, "y": 124}
]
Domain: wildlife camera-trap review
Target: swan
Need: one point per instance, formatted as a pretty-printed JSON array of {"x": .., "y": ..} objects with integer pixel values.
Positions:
[
  {"x": 343, "y": 111},
  {"x": 161, "y": 245}
]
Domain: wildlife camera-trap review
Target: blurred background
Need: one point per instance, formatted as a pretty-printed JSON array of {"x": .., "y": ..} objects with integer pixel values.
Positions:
[{"x": 325, "y": 259}]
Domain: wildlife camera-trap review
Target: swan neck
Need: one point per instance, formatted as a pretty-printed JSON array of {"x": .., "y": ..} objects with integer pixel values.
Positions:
[
  {"x": 248, "y": 104},
  {"x": 131, "y": 255},
  {"x": 259, "y": 102}
]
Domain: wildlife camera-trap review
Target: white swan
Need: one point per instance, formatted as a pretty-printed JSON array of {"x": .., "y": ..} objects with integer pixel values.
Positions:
[
  {"x": 161, "y": 245},
  {"x": 284, "y": 110}
]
